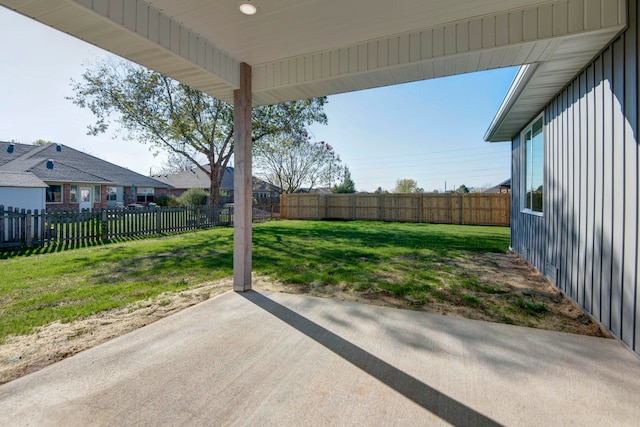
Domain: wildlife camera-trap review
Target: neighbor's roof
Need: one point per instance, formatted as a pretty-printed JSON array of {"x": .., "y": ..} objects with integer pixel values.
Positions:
[
  {"x": 196, "y": 178},
  {"x": 20, "y": 180},
  {"x": 192, "y": 178},
  {"x": 497, "y": 188},
  {"x": 69, "y": 165}
]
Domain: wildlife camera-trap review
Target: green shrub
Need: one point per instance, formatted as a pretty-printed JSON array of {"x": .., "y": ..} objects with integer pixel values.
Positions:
[
  {"x": 194, "y": 197},
  {"x": 166, "y": 200}
]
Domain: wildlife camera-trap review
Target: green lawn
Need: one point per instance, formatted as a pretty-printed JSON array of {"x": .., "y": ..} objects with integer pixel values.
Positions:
[{"x": 403, "y": 259}]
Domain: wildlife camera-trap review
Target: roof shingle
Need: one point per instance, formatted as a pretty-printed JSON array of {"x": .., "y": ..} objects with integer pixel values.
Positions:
[
  {"x": 69, "y": 165},
  {"x": 196, "y": 178},
  {"x": 21, "y": 180}
]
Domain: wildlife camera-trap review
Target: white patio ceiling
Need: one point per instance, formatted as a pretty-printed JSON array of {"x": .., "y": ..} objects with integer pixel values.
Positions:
[{"x": 303, "y": 48}]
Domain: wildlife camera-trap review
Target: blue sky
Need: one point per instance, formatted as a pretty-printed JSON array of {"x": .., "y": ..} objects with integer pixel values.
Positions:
[{"x": 429, "y": 131}]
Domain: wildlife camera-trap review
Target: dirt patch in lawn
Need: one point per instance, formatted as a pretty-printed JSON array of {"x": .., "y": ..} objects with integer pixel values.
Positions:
[
  {"x": 495, "y": 287},
  {"x": 20, "y": 355}
]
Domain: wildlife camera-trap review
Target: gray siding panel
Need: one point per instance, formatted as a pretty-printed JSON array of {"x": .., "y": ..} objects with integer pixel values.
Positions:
[
  {"x": 583, "y": 194},
  {"x": 607, "y": 199},
  {"x": 597, "y": 172},
  {"x": 528, "y": 236},
  {"x": 554, "y": 216},
  {"x": 588, "y": 241},
  {"x": 631, "y": 308},
  {"x": 607, "y": 188},
  {"x": 576, "y": 284},
  {"x": 591, "y": 206},
  {"x": 560, "y": 200},
  {"x": 618, "y": 193}
]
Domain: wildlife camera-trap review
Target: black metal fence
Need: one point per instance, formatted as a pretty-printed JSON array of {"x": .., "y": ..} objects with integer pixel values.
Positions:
[{"x": 21, "y": 228}]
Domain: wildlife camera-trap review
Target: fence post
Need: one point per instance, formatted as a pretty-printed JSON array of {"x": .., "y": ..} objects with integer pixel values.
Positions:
[
  {"x": 27, "y": 228},
  {"x": 2, "y": 227},
  {"x": 36, "y": 227},
  {"x": 10, "y": 226},
  {"x": 104, "y": 233},
  {"x": 352, "y": 204},
  {"x": 21, "y": 225}
]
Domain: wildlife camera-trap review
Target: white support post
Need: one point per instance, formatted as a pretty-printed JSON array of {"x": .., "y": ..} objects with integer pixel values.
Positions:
[{"x": 242, "y": 198}]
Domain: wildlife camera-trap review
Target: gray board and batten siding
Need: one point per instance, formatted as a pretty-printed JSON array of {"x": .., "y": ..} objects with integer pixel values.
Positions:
[{"x": 587, "y": 240}]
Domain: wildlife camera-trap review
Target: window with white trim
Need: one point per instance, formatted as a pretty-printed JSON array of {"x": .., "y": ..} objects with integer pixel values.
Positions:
[
  {"x": 73, "y": 194},
  {"x": 533, "y": 170},
  {"x": 144, "y": 194},
  {"x": 112, "y": 194}
]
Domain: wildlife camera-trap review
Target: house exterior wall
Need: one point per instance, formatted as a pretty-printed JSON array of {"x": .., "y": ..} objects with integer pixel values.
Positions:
[
  {"x": 587, "y": 240},
  {"x": 527, "y": 232},
  {"x": 65, "y": 203},
  {"x": 22, "y": 198},
  {"x": 119, "y": 198},
  {"x": 66, "y": 197}
]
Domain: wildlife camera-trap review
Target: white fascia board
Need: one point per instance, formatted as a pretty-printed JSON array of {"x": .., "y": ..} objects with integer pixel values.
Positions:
[{"x": 519, "y": 83}]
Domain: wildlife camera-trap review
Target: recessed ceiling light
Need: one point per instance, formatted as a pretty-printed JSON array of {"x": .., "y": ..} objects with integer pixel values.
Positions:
[{"x": 248, "y": 8}]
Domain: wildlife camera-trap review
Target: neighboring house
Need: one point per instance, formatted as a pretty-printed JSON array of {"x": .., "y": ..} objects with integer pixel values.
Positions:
[
  {"x": 76, "y": 180},
  {"x": 315, "y": 191},
  {"x": 23, "y": 190},
  {"x": 503, "y": 188},
  {"x": 575, "y": 176},
  {"x": 196, "y": 178}
]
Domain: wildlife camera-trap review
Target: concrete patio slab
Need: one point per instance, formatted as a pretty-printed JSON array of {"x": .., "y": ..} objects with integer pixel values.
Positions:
[{"x": 276, "y": 359}]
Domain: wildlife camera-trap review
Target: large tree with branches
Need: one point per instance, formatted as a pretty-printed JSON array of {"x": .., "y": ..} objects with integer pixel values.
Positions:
[
  {"x": 170, "y": 116},
  {"x": 291, "y": 163}
]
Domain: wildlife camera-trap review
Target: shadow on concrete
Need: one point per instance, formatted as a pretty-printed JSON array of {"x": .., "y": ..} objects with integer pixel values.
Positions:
[{"x": 427, "y": 397}]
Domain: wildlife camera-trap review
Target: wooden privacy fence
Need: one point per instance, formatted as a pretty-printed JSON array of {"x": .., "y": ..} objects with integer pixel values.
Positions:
[
  {"x": 20, "y": 228},
  {"x": 470, "y": 209}
]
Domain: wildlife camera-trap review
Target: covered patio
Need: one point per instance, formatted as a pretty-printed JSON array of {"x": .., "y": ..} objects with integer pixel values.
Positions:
[
  {"x": 287, "y": 51},
  {"x": 251, "y": 358},
  {"x": 259, "y": 358}
]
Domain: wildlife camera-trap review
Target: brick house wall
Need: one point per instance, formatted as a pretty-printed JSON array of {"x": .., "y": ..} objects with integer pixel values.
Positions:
[{"x": 66, "y": 199}]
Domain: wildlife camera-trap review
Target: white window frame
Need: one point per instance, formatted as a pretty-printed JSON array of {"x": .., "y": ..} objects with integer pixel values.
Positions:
[
  {"x": 145, "y": 193},
  {"x": 527, "y": 154},
  {"x": 74, "y": 194},
  {"x": 112, "y": 193}
]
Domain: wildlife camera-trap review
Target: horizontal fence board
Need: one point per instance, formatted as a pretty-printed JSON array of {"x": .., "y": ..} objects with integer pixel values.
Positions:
[{"x": 471, "y": 209}]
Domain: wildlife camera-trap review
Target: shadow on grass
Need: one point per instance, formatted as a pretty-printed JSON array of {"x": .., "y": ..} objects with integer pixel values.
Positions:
[
  {"x": 439, "y": 404},
  {"x": 61, "y": 246}
]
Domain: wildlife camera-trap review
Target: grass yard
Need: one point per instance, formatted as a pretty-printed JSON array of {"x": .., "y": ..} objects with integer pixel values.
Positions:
[
  {"x": 55, "y": 304},
  {"x": 69, "y": 285},
  {"x": 400, "y": 258},
  {"x": 412, "y": 266}
]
